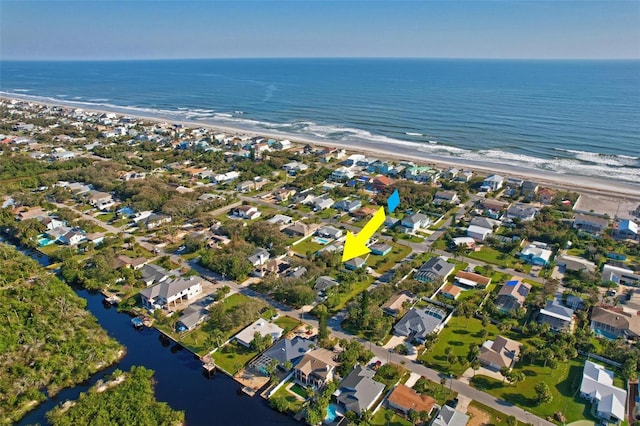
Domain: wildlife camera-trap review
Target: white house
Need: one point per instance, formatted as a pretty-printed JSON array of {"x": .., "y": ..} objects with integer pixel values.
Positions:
[
  {"x": 492, "y": 183},
  {"x": 261, "y": 326},
  {"x": 171, "y": 292},
  {"x": 478, "y": 233},
  {"x": 225, "y": 177},
  {"x": 536, "y": 253},
  {"x": 597, "y": 386},
  {"x": 246, "y": 212}
]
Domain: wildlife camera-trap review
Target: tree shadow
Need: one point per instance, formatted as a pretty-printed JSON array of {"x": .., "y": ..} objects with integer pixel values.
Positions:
[
  {"x": 461, "y": 331},
  {"x": 529, "y": 373},
  {"x": 521, "y": 400},
  {"x": 456, "y": 343},
  {"x": 485, "y": 383}
]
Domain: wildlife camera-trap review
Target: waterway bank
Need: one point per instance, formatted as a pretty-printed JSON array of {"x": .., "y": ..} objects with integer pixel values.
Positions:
[{"x": 179, "y": 377}]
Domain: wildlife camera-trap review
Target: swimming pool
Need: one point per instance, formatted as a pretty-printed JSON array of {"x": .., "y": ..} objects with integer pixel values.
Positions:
[
  {"x": 332, "y": 413},
  {"x": 321, "y": 240},
  {"x": 43, "y": 240},
  {"x": 606, "y": 335}
]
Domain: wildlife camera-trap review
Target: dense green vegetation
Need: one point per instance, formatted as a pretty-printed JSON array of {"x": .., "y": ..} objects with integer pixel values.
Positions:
[
  {"x": 127, "y": 400},
  {"x": 48, "y": 340}
]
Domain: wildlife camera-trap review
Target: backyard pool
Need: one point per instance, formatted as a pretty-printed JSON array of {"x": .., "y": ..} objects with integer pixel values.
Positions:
[
  {"x": 332, "y": 413},
  {"x": 321, "y": 240},
  {"x": 44, "y": 241}
]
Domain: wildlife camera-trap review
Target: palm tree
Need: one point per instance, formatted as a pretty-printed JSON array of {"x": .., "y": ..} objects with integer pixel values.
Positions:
[{"x": 475, "y": 364}]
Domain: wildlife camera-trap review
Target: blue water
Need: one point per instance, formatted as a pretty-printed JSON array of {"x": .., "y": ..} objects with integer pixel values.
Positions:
[
  {"x": 332, "y": 413},
  {"x": 578, "y": 117}
]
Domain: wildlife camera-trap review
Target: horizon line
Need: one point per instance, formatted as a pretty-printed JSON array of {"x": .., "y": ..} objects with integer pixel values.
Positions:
[{"x": 314, "y": 58}]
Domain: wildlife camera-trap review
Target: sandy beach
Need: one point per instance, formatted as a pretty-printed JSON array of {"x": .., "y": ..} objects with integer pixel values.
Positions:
[{"x": 408, "y": 151}]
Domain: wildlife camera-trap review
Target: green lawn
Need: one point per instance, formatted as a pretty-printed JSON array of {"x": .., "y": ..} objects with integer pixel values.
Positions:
[
  {"x": 233, "y": 356},
  {"x": 307, "y": 246},
  {"x": 460, "y": 335},
  {"x": 356, "y": 289},
  {"x": 287, "y": 323},
  {"x": 384, "y": 263},
  {"x": 497, "y": 418},
  {"x": 294, "y": 404},
  {"x": 51, "y": 248},
  {"x": 105, "y": 217},
  {"x": 327, "y": 213},
  {"x": 380, "y": 419},
  {"x": 563, "y": 381},
  {"x": 235, "y": 299},
  {"x": 491, "y": 255},
  {"x": 83, "y": 208},
  {"x": 299, "y": 390}
]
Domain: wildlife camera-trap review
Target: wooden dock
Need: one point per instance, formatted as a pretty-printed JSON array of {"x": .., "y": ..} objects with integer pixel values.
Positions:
[{"x": 208, "y": 364}]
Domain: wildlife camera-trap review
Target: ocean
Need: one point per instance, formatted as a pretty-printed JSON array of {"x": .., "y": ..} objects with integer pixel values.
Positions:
[{"x": 566, "y": 117}]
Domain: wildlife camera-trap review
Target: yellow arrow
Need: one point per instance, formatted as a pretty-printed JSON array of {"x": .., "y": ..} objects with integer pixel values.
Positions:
[{"x": 356, "y": 245}]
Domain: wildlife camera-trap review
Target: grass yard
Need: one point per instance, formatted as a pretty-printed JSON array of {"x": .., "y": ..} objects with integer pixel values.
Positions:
[
  {"x": 287, "y": 323},
  {"x": 496, "y": 418},
  {"x": 491, "y": 255},
  {"x": 299, "y": 390},
  {"x": 233, "y": 356},
  {"x": 307, "y": 246},
  {"x": 294, "y": 405},
  {"x": 563, "y": 381},
  {"x": 460, "y": 335},
  {"x": 105, "y": 217},
  {"x": 356, "y": 289},
  {"x": 386, "y": 417},
  {"x": 384, "y": 263}
]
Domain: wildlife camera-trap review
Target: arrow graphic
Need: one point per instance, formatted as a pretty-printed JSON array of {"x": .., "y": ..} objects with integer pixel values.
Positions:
[{"x": 356, "y": 245}]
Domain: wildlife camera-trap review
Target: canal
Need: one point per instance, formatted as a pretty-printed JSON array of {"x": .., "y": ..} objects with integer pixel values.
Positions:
[{"x": 179, "y": 378}]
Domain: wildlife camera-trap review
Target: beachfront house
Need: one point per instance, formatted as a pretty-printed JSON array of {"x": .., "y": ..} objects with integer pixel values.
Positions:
[{"x": 627, "y": 229}]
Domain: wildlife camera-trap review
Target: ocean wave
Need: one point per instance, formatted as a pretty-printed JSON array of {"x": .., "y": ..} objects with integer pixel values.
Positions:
[
  {"x": 99, "y": 100},
  {"x": 606, "y": 159},
  {"x": 413, "y": 134},
  {"x": 22, "y": 90}
]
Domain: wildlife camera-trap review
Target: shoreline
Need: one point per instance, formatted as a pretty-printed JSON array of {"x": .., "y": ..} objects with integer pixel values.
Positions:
[{"x": 406, "y": 152}]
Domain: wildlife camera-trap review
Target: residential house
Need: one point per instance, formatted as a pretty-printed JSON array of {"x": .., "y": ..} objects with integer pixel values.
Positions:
[
  {"x": 283, "y": 194},
  {"x": 492, "y": 183},
  {"x": 50, "y": 222},
  {"x": 152, "y": 274},
  {"x": 381, "y": 182},
  {"x": 559, "y": 317},
  {"x": 324, "y": 282},
  {"x": 574, "y": 264},
  {"x": 418, "y": 323},
  {"x": 329, "y": 232},
  {"x": 499, "y": 353},
  {"x": 315, "y": 369},
  {"x": 127, "y": 262},
  {"x": 449, "y": 416},
  {"x": 380, "y": 249},
  {"x": 471, "y": 279},
  {"x": 522, "y": 212},
  {"x": 391, "y": 222},
  {"x": 415, "y": 222},
  {"x": 481, "y": 227},
  {"x": 355, "y": 263},
  {"x": 620, "y": 275},
  {"x": 512, "y": 295},
  {"x": 590, "y": 224},
  {"x": 536, "y": 253},
  {"x": 155, "y": 220},
  {"x": 358, "y": 391},
  {"x": 225, "y": 177},
  {"x": 546, "y": 195},
  {"x": 171, "y": 292},
  {"x": 347, "y": 205},
  {"x": 295, "y": 167},
  {"x": 405, "y": 399},
  {"x": 597, "y": 386},
  {"x": 288, "y": 350},
  {"x": 342, "y": 174},
  {"x": 280, "y": 219},
  {"x": 492, "y": 208},
  {"x": 260, "y": 326},
  {"x": 435, "y": 268},
  {"x": 322, "y": 203},
  {"x": 191, "y": 317},
  {"x": 246, "y": 212},
  {"x": 72, "y": 238},
  {"x": 397, "y": 304},
  {"x": 298, "y": 229},
  {"x": 259, "y": 257},
  {"x": 464, "y": 176},
  {"x": 627, "y": 230},
  {"x": 297, "y": 272},
  {"x": 31, "y": 213},
  {"x": 451, "y": 291},
  {"x": 529, "y": 189},
  {"x": 446, "y": 197},
  {"x": 423, "y": 174},
  {"x": 612, "y": 323},
  {"x": 364, "y": 212}
]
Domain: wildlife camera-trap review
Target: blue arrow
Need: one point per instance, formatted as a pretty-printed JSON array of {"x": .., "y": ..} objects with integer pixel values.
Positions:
[{"x": 393, "y": 201}]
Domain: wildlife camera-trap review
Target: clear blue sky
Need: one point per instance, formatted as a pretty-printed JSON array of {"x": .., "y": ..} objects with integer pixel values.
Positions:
[{"x": 88, "y": 29}]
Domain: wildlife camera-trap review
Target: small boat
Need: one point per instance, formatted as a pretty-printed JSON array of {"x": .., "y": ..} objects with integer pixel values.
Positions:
[{"x": 137, "y": 322}]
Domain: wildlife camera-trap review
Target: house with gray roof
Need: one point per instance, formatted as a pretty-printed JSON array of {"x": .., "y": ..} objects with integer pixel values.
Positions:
[
  {"x": 558, "y": 317},
  {"x": 171, "y": 292},
  {"x": 434, "y": 268},
  {"x": 325, "y": 282},
  {"x": 191, "y": 318},
  {"x": 415, "y": 222},
  {"x": 152, "y": 274},
  {"x": 449, "y": 416},
  {"x": 597, "y": 386},
  {"x": 329, "y": 232},
  {"x": 289, "y": 350},
  {"x": 358, "y": 391},
  {"x": 418, "y": 323},
  {"x": 512, "y": 295},
  {"x": 259, "y": 257}
]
